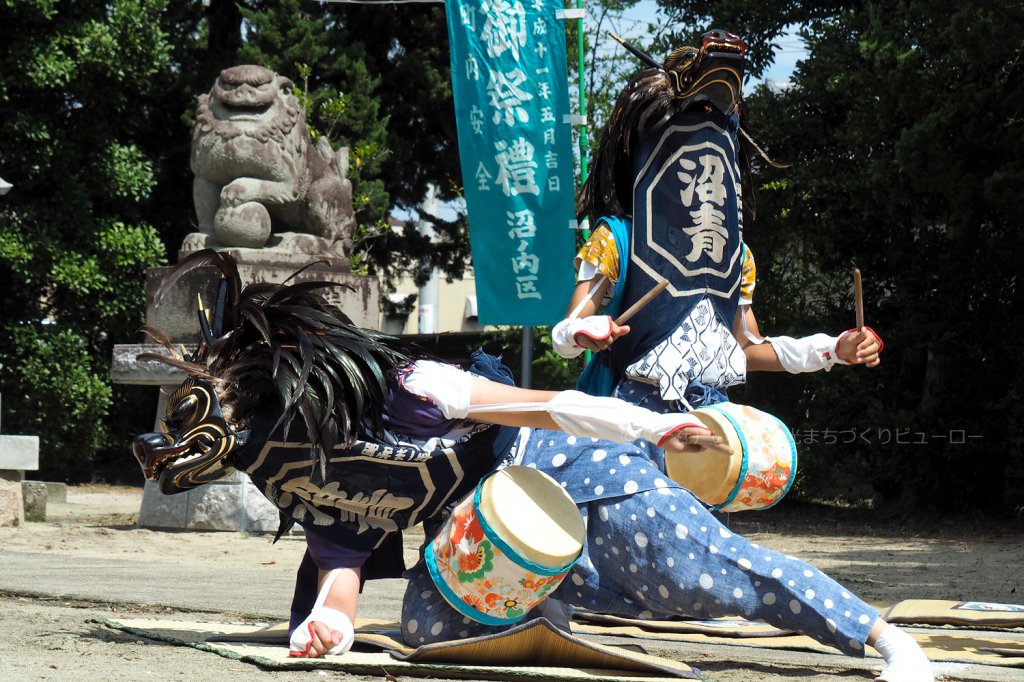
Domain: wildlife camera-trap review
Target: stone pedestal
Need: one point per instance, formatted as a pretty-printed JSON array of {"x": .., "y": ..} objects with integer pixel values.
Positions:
[
  {"x": 358, "y": 296},
  {"x": 35, "y": 498},
  {"x": 18, "y": 454},
  {"x": 232, "y": 503},
  {"x": 12, "y": 504}
]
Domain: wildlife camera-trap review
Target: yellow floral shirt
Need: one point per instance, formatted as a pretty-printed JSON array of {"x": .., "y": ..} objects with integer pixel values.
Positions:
[{"x": 601, "y": 253}]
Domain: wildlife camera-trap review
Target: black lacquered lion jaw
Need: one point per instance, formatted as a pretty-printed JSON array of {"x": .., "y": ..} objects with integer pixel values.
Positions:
[
  {"x": 195, "y": 444},
  {"x": 712, "y": 73}
]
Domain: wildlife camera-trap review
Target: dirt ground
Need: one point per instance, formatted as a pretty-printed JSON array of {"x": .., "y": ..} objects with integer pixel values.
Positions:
[{"x": 44, "y": 634}]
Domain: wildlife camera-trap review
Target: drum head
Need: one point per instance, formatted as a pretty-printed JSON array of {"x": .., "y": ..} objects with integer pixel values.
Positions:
[
  {"x": 711, "y": 475},
  {"x": 533, "y": 514}
]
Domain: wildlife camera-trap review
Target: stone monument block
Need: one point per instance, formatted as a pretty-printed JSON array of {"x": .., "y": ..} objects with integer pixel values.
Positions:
[
  {"x": 12, "y": 504},
  {"x": 35, "y": 498},
  {"x": 176, "y": 314},
  {"x": 18, "y": 454}
]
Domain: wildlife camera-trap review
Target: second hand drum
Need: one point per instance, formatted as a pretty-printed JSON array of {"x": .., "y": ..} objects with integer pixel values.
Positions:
[
  {"x": 506, "y": 547},
  {"x": 754, "y": 470}
]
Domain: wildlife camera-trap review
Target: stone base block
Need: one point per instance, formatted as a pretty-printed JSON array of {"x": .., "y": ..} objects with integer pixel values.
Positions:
[
  {"x": 231, "y": 504},
  {"x": 56, "y": 492},
  {"x": 126, "y": 369},
  {"x": 358, "y": 296},
  {"x": 12, "y": 504},
  {"x": 35, "y": 497},
  {"x": 285, "y": 249}
]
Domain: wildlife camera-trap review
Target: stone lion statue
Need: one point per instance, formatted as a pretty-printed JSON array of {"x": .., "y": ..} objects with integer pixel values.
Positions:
[{"x": 257, "y": 170}]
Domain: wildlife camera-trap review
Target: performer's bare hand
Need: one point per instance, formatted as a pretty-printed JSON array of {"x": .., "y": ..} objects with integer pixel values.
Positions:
[
  {"x": 324, "y": 639},
  {"x": 588, "y": 342},
  {"x": 677, "y": 442},
  {"x": 860, "y": 347},
  {"x": 328, "y": 628}
]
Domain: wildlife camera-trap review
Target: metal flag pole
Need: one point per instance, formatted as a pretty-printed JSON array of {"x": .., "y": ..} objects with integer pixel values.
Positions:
[
  {"x": 584, "y": 143},
  {"x": 581, "y": 119},
  {"x": 527, "y": 366},
  {"x": 578, "y": 13}
]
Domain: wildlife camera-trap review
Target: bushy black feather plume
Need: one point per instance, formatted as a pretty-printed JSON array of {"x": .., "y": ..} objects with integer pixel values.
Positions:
[
  {"x": 228, "y": 293},
  {"x": 287, "y": 343}
]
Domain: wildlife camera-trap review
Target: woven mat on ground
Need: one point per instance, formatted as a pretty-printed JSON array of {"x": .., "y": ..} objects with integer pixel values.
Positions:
[
  {"x": 954, "y": 646},
  {"x": 718, "y": 627},
  {"x": 973, "y": 614},
  {"x": 532, "y": 651}
]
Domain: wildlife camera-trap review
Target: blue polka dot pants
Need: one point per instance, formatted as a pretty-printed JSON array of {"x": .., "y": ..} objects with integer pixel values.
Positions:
[{"x": 659, "y": 553}]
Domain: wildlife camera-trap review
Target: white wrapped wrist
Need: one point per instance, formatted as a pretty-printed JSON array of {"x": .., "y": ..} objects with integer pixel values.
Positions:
[
  {"x": 301, "y": 640},
  {"x": 563, "y": 334},
  {"x": 806, "y": 354}
]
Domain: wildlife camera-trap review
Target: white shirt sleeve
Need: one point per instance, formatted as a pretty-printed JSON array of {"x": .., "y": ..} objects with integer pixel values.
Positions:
[
  {"x": 446, "y": 385},
  {"x": 587, "y": 272}
]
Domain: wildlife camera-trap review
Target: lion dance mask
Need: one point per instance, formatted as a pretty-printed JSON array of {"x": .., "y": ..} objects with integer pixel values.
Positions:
[{"x": 275, "y": 359}]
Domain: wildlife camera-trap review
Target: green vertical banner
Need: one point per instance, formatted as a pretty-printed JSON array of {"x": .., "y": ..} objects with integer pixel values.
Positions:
[{"x": 511, "y": 91}]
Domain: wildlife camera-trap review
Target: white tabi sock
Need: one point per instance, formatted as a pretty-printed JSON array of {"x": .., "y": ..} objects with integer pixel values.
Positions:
[{"x": 905, "y": 661}]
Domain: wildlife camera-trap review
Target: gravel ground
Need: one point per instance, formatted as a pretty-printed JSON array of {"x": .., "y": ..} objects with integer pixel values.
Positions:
[{"x": 88, "y": 560}]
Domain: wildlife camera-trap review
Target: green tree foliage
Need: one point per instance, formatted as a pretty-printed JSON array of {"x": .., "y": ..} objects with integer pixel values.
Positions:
[
  {"x": 406, "y": 50},
  {"x": 333, "y": 81},
  {"x": 903, "y": 128},
  {"x": 608, "y": 65},
  {"x": 760, "y": 24},
  {"x": 77, "y": 91},
  {"x": 376, "y": 79}
]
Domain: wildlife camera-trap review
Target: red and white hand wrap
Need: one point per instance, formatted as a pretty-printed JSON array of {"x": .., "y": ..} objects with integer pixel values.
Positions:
[
  {"x": 806, "y": 354},
  {"x": 563, "y": 334},
  {"x": 301, "y": 642},
  {"x": 881, "y": 344}
]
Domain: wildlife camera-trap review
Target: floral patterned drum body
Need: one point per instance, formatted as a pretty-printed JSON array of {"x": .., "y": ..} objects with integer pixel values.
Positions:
[
  {"x": 754, "y": 469},
  {"x": 507, "y": 546}
]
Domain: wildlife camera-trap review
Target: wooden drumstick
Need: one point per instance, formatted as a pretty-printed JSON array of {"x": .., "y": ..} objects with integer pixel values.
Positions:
[
  {"x": 644, "y": 300},
  {"x": 858, "y": 298}
]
